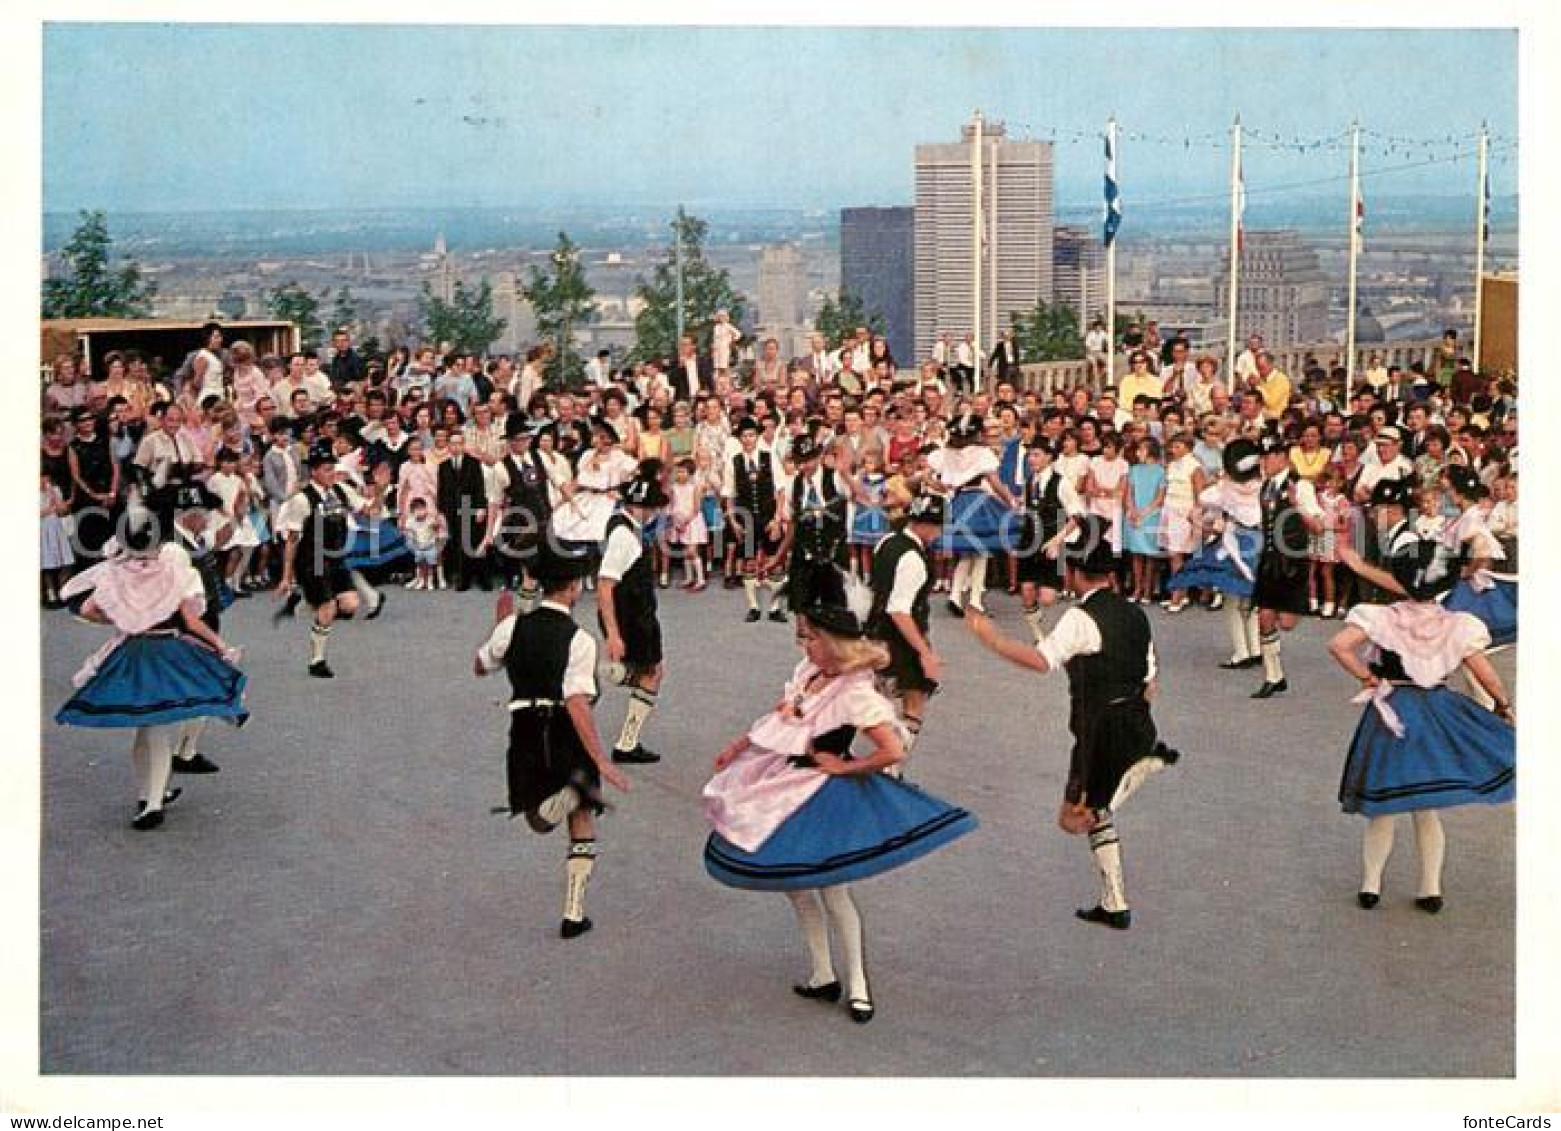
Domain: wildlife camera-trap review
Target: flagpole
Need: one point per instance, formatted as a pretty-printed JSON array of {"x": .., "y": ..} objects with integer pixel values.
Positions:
[
  {"x": 1235, "y": 250},
  {"x": 1355, "y": 237},
  {"x": 976, "y": 164},
  {"x": 1111, "y": 264},
  {"x": 1482, "y": 218}
]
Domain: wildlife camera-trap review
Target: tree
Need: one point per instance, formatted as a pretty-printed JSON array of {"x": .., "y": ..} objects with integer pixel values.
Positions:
[
  {"x": 90, "y": 286},
  {"x": 562, "y": 302},
  {"x": 841, "y": 315},
  {"x": 1048, "y": 333},
  {"x": 464, "y": 323},
  {"x": 292, "y": 303},
  {"x": 706, "y": 290},
  {"x": 344, "y": 314}
]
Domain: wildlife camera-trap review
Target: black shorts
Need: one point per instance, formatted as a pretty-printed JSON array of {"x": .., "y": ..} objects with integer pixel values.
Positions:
[
  {"x": 1038, "y": 569},
  {"x": 750, "y": 534},
  {"x": 1281, "y": 585},
  {"x": 905, "y": 670},
  {"x": 321, "y": 588},
  {"x": 641, "y": 641}
]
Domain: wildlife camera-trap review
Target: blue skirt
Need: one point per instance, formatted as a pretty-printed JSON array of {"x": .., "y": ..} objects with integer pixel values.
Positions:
[
  {"x": 1213, "y": 568},
  {"x": 1497, "y": 608},
  {"x": 149, "y": 680},
  {"x": 376, "y": 546},
  {"x": 869, "y": 526},
  {"x": 712, "y": 513},
  {"x": 979, "y": 523},
  {"x": 854, "y": 827},
  {"x": 1454, "y": 752}
]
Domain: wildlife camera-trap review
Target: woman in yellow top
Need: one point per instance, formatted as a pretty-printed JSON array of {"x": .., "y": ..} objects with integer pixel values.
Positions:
[{"x": 1308, "y": 456}]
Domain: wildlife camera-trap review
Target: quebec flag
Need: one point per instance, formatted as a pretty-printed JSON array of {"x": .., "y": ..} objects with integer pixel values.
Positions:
[{"x": 1113, "y": 197}]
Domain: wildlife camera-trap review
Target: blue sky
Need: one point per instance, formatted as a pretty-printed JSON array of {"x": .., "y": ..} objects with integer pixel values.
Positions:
[{"x": 167, "y": 117}]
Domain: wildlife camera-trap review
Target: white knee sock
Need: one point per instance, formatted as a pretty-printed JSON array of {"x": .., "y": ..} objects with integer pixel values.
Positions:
[
  {"x": 1138, "y": 773},
  {"x": 978, "y": 582},
  {"x": 368, "y": 596},
  {"x": 1107, "y": 850},
  {"x": 1254, "y": 633},
  {"x": 1375, "y": 849},
  {"x": 577, "y": 872},
  {"x": 1431, "y": 843},
  {"x": 188, "y": 743},
  {"x": 1035, "y": 619},
  {"x": 810, "y": 915},
  {"x": 319, "y": 640},
  {"x": 751, "y": 591},
  {"x": 529, "y": 597},
  {"x": 961, "y": 581},
  {"x": 848, "y": 927},
  {"x": 1273, "y": 665},
  {"x": 641, "y": 704},
  {"x": 556, "y": 808},
  {"x": 1236, "y": 628}
]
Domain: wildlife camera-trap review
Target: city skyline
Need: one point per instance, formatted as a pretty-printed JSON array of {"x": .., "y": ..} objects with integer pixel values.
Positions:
[{"x": 561, "y": 116}]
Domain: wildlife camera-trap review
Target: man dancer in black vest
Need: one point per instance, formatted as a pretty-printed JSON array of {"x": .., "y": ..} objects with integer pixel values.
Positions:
[
  {"x": 751, "y": 519},
  {"x": 1291, "y": 516},
  {"x": 521, "y": 523},
  {"x": 819, "y": 506},
  {"x": 314, "y": 522},
  {"x": 626, "y": 604},
  {"x": 1104, "y": 645},
  {"x": 555, "y": 763},
  {"x": 901, "y": 579},
  {"x": 188, "y": 509}
]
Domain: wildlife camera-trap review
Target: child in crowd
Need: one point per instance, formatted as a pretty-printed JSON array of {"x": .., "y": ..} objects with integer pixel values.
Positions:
[
  {"x": 1503, "y": 518},
  {"x": 55, "y": 556},
  {"x": 1104, "y": 484},
  {"x": 230, "y": 486},
  {"x": 423, "y": 530},
  {"x": 871, "y": 522},
  {"x": 1143, "y": 496},
  {"x": 259, "y": 518},
  {"x": 1338, "y": 513},
  {"x": 1184, "y": 482},
  {"x": 707, "y": 478},
  {"x": 687, "y": 533}
]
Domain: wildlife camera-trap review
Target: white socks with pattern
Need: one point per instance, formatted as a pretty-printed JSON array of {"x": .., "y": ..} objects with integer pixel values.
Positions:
[
  {"x": 577, "y": 872},
  {"x": 1107, "y": 849},
  {"x": 641, "y": 704}
]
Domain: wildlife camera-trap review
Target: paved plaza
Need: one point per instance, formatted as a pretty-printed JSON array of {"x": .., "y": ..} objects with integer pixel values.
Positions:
[{"x": 341, "y": 900}]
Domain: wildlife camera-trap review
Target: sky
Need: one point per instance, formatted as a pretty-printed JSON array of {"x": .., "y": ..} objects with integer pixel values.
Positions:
[{"x": 166, "y": 117}]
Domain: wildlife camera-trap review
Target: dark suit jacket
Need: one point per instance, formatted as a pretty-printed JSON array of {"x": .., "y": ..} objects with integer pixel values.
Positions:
[
  {"x": 466, "y": 485},
  {"x": 679, "y": 377},
  {"x": 1004, "y": 360}
]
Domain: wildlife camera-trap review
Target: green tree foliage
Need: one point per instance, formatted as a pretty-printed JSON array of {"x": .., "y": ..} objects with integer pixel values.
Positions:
[
  {"x": 706, "y": 290},
  {"x": 91, "y": 287},
  {"x": 464, "y": 323},
  {"x": 344, "y": 313},
  {"x": 1048, "y": 333},
  {"x": 561, "y": 299},
  {"x": 841, "y": 315},
  {"x": 293, "y": 303}
]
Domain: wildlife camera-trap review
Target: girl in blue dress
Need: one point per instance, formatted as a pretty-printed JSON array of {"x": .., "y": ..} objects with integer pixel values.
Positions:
[
  {"x": 794, "y": 811},
  {"x": 1143, "y": 496},
  {"x": 870, "y": 523}
]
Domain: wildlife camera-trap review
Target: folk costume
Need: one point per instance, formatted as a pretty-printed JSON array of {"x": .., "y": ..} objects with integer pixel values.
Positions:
[
  {"x": 901, "y": 581},
  {"x": 520, "y": 480},
  {"x": 627, "y": 565},
  {"x": 1488, "y": 592},
  {"x": 1050, "y": 503},
  {"x": 819, "y": 513},
  {"x": 749, "y": 491},
  {"x": 1287, "y": 502}
]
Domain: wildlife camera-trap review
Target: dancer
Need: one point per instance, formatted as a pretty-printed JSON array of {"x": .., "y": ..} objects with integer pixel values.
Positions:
[
  {"x": 753, "y": 521},
  {"x": 1105, "y": 646},
  {"x": 1227, "y": 562},
  {"x": 626, "y": 607},
  {"x": 1482, "y": 587},
  {"x": 1420, "y": 746},
  {"x": 1051, "y": 507},
  {"x": 820, "y": 502},
  {"x": 185, "y": 512},
  {"x": 1291, "y": 517},
  {"x": 164, "y": 671},
  {"x": 981, "y": 515},
  {"x": 520, "y": 481},
  {"x": 900, "y": 617},
  {"x": 794, "y": 811},
  {"x": 554, "y": 763}
]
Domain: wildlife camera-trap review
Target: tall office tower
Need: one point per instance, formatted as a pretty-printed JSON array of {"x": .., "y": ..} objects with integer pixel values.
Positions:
[
  {"x": 1282, "y": 294},
  {"x": 782, "y": 293},
  {"x": 1016, "y": 211},
  {"x": 510, "y": 303},
  {"x": 444, "y": 270},
  {"x": 877, "y": 265},
  {"x": 1079, "y": 272}
]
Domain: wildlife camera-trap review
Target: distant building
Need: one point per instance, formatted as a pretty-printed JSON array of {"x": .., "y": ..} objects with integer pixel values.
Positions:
[
  {"x": 510, "y": 304},
  {"x": 1283, "y": 294},
  {"x": 1079, "y": 272},
  {"x": 444, "y": 271},
  {"x": 877, "y": 265},
  {"x": 782, "y": 293},
  {"x": 1016, "y": 270}
]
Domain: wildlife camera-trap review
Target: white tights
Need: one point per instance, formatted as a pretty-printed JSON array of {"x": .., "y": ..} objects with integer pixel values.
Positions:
[
  {"x": 1430, "y": 843},
  {"x": 814, "y": 908},
  {"x": 151, "y": 753}
]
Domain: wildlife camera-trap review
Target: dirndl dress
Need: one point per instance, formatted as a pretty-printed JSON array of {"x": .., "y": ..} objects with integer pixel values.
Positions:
[
  {"x": 375, "y": 545},
  {"x": 1227, "y": 564},
  {"x": 1419, "y": 744},
  {"x": 784, "y": 826},
  {"x": 979, "y": 523},
  {"x": 154, "y": 678},
  {"x": 870, "y": 522},
  {"x": 1493, "y": 598}
]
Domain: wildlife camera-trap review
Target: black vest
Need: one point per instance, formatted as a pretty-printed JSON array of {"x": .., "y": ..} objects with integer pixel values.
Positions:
[
  {"x": 538, "y": 654},
  {"x": 1043, "y": 507},
  {"x": 1121, "y": 667},
  {"x": 635, "y": 597},
  {"x": 325, "y": 528},
  {"x": 886, "y": 561},
  {"x": 205, "y": 563},
  {"x": 820, "y": 529},
  {"x": 527, "y": 489},
  {"x": 754, "y": 492},
  {"x": 1284, "y": 530}
]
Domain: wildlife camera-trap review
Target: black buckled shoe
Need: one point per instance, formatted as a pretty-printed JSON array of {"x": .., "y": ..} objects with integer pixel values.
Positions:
[
  {"x": 380, "y": 607},
  {"x": 1116, "y": 920},
  {"x": 1430, "y": 904},
  {"x": 753, "y": 616},
  {"x": 639, "y": 756},
  {"x": 861, "y": 1010},
  {"x": 200, "y": 764},
  {"x": 574, "y": 928},
  {"x": 829, "y": 991},
  {"x": 778, "y": 616},
  {"x": 1367, "y": 899},
  {"x": 321, "y": 670},
  {"x": 1269, "y": 690}
]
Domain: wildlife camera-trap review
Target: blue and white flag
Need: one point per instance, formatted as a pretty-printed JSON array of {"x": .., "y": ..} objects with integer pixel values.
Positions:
[
  {"x": 1485, "y": 208},
  {"x": 1113, "y": 197}
]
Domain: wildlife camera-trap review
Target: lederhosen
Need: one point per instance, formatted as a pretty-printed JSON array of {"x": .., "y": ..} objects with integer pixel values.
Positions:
[
  {"x": 204, "y": 561},
  {"x": 818, "y": 537},
  {"x": 1107, "y": 712},
  {"x": 753, "y": 506},
  {"x": 527, "y": 510},
  {"x": 1282, "y": 565},
  {"x": 1043, "y": 520},
  {"x": 634, "y": 602},
  {"x": 904, "y": 668},
  {"x": 319, "y": 561},
  {"x": 545, "y": 752}
]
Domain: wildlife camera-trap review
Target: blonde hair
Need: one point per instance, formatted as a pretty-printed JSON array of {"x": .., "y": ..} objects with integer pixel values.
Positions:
[{"x": 851, "y": 653}]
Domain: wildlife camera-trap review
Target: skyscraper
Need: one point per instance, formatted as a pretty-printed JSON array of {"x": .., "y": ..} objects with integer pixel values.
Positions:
[
  {"x": 782, "y": 295},
  {"x": 877, "y": 265},
  {"x": 1016, "y": 211},
  {"x": 1079, "y": 271},
  {"x": 1283, "y": 294}
]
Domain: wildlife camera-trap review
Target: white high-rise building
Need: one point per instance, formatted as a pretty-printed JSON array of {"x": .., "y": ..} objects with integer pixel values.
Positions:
[
  {"x": 1079, "y": 272},
  {"x": 1016, "y": 269}
]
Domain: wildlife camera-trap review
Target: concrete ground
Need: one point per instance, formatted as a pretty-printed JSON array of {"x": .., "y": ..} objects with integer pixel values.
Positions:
[{"x": 340, "y": 900}]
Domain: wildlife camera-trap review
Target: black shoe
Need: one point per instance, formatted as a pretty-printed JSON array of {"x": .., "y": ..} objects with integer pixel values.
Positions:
[
  {"x": 956, "y": 611},
  {"x": 1240, "y": 665},
  {"x": 147, "y": 819},
  {"x": 1367, "y": 899},
  {"x": 829, "y": 991},
  {"x": 753, "y": 616},
  {"x": 240, "y": 592},
  {"x": 574, "y": 928},
  {"x": 321, "y": 670},
  {"x": 380, "y": 607},
  {"x": 861, "y": 1010},
  {"x": 289, "y": 607},
  {"x": 1166, "y": 754},
  {"x": 1430, "y": 904},
  {"x": 731, "y": 582},
  {"x": 778, "y": 616},
  {"x": 463, "y": 587},
  {"x": 1269, "y": 690},
  {"x": 1117, "y": 920},
  {"x": 200, "y": 764},
  {"x": 639, "y": 756}
]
